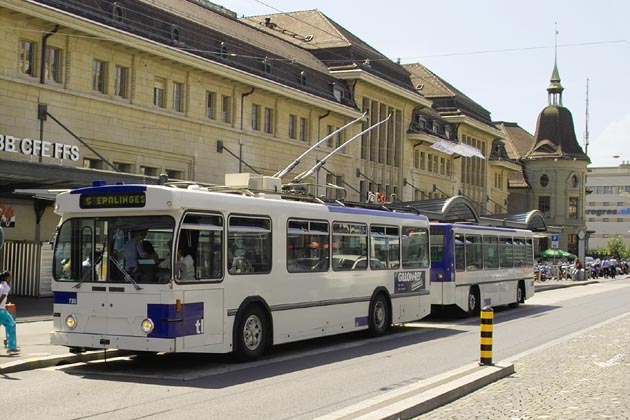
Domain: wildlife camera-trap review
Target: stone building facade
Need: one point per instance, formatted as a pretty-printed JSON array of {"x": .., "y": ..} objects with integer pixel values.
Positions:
[
  {"x": 554, "y": 169},
  {"x": 136, "y": 90}
]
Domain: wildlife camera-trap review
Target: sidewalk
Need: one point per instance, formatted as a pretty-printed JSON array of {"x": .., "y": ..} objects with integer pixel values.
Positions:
[{"x": 34, "y": 323}]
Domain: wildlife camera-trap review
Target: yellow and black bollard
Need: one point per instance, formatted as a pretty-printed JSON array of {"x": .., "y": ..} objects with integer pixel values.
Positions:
[{"x": 487, "y": 315}]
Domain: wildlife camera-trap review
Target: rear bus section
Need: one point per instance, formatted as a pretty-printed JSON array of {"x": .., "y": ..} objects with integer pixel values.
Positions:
[{"x": 477, "y": 266}]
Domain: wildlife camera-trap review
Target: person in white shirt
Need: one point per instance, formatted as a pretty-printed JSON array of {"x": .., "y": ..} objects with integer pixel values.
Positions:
[
  {"x": 5, "y": 317},
  {"x": 188, "y": 262}
]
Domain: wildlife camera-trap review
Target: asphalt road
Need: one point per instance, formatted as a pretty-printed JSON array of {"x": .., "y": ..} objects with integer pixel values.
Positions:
[{"x": 304, "y": 380}]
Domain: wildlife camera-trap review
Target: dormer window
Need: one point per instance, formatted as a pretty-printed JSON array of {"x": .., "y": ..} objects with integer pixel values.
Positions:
[
  {"x": 224, "y": 51},
  {"x": 448, "y": 132},
  {"x": 176, "y": 33},
  {"x": 303, "y": 78},
  {"x": 267, "y": 65},
  {"x": 118, "y": 13},
  {"x": 436, "y": 127},
  {"x": 337, "y": 92},
  {"x": 422, "y": 123}
]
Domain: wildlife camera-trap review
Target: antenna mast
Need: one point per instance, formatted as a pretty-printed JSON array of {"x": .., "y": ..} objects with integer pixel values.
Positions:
[{"x": 586, "y": 122}]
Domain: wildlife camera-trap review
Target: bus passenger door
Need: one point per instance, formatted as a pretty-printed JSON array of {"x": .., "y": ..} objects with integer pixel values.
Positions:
[{"x": 203, "y": 314}]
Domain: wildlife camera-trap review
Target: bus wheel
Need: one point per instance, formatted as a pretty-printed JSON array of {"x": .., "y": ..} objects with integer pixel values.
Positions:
[
  {"x": 379, "y": 321},
  {"x": 251, "y": 334},
  {"x": 520, "y": 295},
  {"x": 473, "y": 302}
]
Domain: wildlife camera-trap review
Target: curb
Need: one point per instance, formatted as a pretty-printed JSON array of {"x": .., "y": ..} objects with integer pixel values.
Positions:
[
  {"x": 426, "y": 395},
  {"x": 551, "y": 286},
  {"x": 58, "y": 360}
]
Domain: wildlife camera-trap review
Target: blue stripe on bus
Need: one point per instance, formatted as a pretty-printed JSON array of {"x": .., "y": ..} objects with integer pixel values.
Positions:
[
  {"x": 67, "y": 298},
  {"x": 371, "y": 212},
  {"x": 108, "y": 189},
  {"x": 360, "y": 321},
  {"x": 171, "y": 324}
]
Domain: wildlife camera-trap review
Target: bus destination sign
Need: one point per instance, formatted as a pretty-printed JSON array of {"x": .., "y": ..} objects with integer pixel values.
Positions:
[{"x": 113, "y": 200}]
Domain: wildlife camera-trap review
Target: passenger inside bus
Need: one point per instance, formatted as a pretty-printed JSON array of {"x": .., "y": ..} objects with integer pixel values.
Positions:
[
  {"x": 185, "y": 264},
  {"x": 133, "y": 250}
]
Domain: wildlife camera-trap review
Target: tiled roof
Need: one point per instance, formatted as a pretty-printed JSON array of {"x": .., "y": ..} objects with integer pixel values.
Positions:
[
  {"x": 517, "y": 140},
  {"x": 555, "y": 126},
  {"x": 309, "y": 29},
  {"x": 446, "y": 98},
  {"x": 238, "y": 30},
  {"x": 335, "y": 46}
]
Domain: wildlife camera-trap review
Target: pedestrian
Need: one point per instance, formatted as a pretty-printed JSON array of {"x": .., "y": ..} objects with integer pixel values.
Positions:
[
  {"x": 605, "y": 267},
  {"x": 5, "y": 317}
]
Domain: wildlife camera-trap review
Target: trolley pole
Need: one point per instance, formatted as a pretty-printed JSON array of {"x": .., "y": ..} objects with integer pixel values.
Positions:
[{"x": 487, "y": 316}]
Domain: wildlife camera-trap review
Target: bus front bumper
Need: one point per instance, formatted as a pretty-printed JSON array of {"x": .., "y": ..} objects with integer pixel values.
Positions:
[{"x": 100, "y": 341}]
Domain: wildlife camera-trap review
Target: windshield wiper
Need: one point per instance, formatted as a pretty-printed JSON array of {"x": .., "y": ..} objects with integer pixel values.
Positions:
[{"x": 125, "y": 274}]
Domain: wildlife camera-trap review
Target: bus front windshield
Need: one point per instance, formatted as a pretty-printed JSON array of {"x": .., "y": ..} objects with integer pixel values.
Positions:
[{"x": 114, "y": 249}]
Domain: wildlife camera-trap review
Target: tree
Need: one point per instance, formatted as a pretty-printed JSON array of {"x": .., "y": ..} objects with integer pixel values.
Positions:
[{"x": 617, "y": 248}]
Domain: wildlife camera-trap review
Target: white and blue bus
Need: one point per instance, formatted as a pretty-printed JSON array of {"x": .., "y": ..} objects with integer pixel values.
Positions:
[
  {"x": 191, "y": 268},
  {"x": 477, "y": 266}
]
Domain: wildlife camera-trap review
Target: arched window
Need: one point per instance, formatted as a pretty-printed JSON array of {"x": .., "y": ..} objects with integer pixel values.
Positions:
[
  {"x": 176, "y": 33},
  {"x": 575, "y": 181},
  {"x": 224, "y": 51},
  {"x": 118, "y": 13}
]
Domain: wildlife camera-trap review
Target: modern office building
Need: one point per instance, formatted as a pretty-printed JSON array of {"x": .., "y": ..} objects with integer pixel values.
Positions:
[{"x": 607, "y": 207}]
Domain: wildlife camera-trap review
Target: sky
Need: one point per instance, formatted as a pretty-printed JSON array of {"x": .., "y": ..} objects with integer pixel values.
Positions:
[{"x": 500, "y": 53}]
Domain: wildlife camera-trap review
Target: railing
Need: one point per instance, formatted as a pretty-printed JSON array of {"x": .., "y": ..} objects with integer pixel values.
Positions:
[{"x": 27, "y": 261}]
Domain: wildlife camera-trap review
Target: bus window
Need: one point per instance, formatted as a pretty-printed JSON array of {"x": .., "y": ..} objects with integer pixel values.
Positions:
[
  {"x": 460, "y": 255},
  {"x": 415, "y": 247},
  {"x": 349, "y": 243},
  {"x": 505, "y": 251},
  {"x": 93, "y": 249},
  {"x": 519, "y": 252},
  {"x": 437, "y": 243},
  {"x": 249, "y": 245},
  {"x": 490, "y": 252},
  {"x": 385, "y": 245},
  {"x": 307, "y": 246},
  {"x": 474, "y": 259},
  {"x": 201, "y": 238},
  {"x": 529, "y": 254}
]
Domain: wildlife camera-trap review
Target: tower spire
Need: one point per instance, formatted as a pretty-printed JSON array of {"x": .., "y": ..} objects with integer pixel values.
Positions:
[{"x": 555, "y": 87}]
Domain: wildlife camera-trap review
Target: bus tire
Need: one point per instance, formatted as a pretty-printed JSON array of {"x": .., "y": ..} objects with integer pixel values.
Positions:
[
  {"x": 474, "y": 305},
  {"x": 379, "y": 319},
  {"x": 251, "y": 334},
  {"x": 520, "y": 295}
]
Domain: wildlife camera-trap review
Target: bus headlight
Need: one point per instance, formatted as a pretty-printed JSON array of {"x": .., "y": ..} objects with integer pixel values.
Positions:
[
  {"x": 147, "y": 326},
  {"x": 71, "y": 322}
]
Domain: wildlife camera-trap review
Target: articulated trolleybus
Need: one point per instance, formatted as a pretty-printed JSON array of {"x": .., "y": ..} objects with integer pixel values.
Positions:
[
  {"x": 191, "y": 268},
  {"x": 476, "y": 266}
]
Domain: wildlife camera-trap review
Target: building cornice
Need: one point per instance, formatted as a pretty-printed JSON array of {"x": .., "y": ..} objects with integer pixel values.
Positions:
[
  {"x": 464, "y": 119},
  {"x": 361, "y": 75},
  {"x": 512, "y": 166}
]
